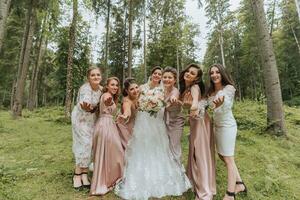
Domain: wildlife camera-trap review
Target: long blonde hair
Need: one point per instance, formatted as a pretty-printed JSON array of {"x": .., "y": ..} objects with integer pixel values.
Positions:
[
  {"x": 115, "y": 96},
  {"x": 88, "y": 72}
]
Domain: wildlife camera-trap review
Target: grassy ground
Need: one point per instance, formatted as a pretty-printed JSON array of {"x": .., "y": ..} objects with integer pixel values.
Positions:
[{"x": 36, "y": 161}]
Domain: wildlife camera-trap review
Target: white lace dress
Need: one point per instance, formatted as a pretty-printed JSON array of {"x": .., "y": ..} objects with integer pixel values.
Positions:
[
  {"x": 225, "y": 127},
  {"x": 151, "y": 170},
  {"x": 83, "y": 125}
]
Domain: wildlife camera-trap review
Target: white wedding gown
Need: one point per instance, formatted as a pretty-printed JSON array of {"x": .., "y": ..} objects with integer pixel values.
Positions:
[{"x": 151, "y": 170}]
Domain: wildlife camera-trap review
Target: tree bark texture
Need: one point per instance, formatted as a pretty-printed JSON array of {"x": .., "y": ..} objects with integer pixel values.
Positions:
[
  {"x": 4, "y": 10},
  {"x": 130, "y": 22},
  {"x": 106, "y": 41},
  {"x": 24, "y": 60},
  {"x": 275, "y": 112},
  {"x": 32, "y": 99},
  {"x": 72, "y": 35}
]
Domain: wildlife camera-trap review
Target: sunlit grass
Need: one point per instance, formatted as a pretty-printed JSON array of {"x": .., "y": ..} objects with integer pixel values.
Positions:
[{"x": 36, "y": 160}]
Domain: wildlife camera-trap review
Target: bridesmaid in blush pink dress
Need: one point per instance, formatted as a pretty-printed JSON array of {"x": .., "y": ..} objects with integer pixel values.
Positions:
[
  {"x": 174, "y": 119},
  {"x": 201, "y": 161},
  {"x": 125, "y": 121},
  {"x": 108, "y": 153}
]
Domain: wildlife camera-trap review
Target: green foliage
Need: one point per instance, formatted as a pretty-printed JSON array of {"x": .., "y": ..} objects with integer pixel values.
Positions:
[
  {"x": 241, "y": 51},
  {"x": 171, "y": 35},
  {"x": 288, "y": 52},
  {"x": 294, "y": 101},
  {"x": 9, "y": 57},
  {"x": 56, "y": 83},
  {"x": 117, "y": 44}
]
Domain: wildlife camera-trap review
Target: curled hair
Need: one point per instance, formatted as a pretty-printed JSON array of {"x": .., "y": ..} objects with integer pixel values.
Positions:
[
  {"x": 198, "y": 81},
  {"x": 88, "y": 72},
  {"x": 225, "y": 78},
  {"x": 171, "y": 70},
  {"x": 115, "y": 96},
  {"x": 127, "y": 83}
]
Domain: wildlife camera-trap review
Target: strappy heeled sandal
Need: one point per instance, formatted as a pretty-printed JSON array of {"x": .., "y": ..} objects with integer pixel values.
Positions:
[
  {"x": 79, "y": 187},
  {"x": 86, "y": 186},
  {"x": 243, "y": 191},
  {"x": 230, "y": 194}
]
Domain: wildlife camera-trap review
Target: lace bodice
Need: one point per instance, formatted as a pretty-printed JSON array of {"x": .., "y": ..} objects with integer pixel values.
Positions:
[
  {"x": 223, "y": 115},
  {"x": 86, "y": 94}
]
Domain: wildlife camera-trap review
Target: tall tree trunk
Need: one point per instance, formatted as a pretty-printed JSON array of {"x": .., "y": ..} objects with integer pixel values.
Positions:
[
  {"x": 298, "y": 8},
  {"x": 130, "y": 21},
  {"x": 106, "y": 40},
  {"x": 145, "y": 43},
  {"x": 24, "y": 61},
  {"x": 44, "y": 98},
  {"x": 221, "y": 42},
  {"x": 275, "y": 112},
  {"x": 273, "y": 16},
  {"x": 4, "y": 10},
  {"x": 181, "y": 62},
  {"x": 39, "y": 79},
  {"x": 72, "y": 34},
  {"x": 33, "y": 69},
  {"x": 21, "y": 56},
  {"x": 296, "y": 39},
  {"x": 290, "y": 26},
  {"x": 124, "y": 41},
  {"x": 177, "y": 65},
  {"x": 13, "y": 94},
  {"x": 40, "y": 53},
  {"x": 4, "y": 96}
]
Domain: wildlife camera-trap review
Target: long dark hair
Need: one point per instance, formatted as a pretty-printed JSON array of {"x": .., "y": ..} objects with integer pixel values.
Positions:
[
  {"x": 127, "y": 83},
  {"x": 225, "y": 78},
  {"x": 153, "y": 70},
  {"x": 198, "y": 81},
  {"x": 156, "y": 68},
  {"x": 115, "y": 96}
]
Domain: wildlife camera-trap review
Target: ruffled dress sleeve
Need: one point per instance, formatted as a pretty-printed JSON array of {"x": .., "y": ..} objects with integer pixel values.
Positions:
[
  {"x": 84, "y": 95},
  {"x": 228, "y": 92}
]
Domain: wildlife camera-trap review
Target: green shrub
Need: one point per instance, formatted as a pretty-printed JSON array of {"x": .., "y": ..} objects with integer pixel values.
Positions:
[{"x": 293, "y": 102}]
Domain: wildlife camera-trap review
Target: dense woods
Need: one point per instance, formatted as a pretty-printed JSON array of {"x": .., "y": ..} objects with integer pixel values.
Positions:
[{"x": 46, "y": 47}]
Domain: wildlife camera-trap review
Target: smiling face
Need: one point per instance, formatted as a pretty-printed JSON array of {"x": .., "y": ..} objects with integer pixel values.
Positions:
[
  {"x": 156, "y": 76},
  {"x": 133, "y": 91},
  {"x": 113, "y": 86},
  {"x": 215, "y": 75},
  {"x": 94, "y": 77},
  {"x": 168, "y": 79},
  {"x": 191, "y": 75}
]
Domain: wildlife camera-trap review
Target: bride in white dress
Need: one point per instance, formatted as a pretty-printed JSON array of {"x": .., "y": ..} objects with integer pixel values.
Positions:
[{"x": 151, "y": 170}]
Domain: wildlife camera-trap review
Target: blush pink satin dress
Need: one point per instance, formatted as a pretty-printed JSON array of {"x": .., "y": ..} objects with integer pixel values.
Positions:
[
  {"x": 201, "y": 160},
  {"x": 125, "y": 130},
  {"x": 174, "y": 120},
  {"x": 108, "y": 153}
]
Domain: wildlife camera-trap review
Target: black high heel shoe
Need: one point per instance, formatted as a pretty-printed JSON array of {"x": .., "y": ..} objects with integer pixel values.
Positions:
[
  {"x": 86, "y": 186},
  {"x": 243, "y": 191},
  {"x": 79, "y": 187},
  {"x": 230, "y": 194}
]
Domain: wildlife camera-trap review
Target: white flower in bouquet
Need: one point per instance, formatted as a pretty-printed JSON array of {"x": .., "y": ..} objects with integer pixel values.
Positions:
[{"x": 151, "y": 101}]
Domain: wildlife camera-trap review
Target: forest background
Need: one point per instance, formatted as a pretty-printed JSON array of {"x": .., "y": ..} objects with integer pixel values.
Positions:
[{"x": 44, "y": 56}]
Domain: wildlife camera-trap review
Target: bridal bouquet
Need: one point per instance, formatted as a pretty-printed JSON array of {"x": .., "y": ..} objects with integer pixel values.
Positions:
[{"x": 151, "y": 101}]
